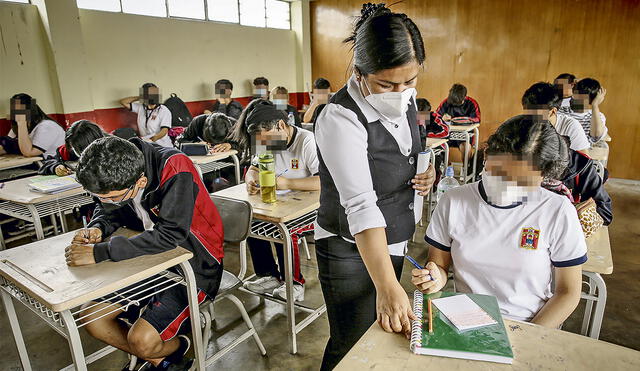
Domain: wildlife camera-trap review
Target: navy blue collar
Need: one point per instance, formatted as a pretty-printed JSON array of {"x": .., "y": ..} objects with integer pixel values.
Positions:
[{"x": 483, "y": 194}]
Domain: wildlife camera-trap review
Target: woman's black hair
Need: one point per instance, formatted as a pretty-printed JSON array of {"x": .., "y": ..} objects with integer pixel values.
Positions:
[
  {"x": 321, "y": 83},
  {"x": 423, "y": 104},
  {"x": 566, "y": 76},
  {"x": 587, "y": 86},
  {"x": 457, "y": 93},
  {"x": 223, "y": 84},
  {"x": 249, "y": 123},
  {"x": 260, "y": 81},
  {"x": 527, "y": 136},
  {"x": 382, "y": 39},
  {"x": 541, "y": 95},
  {"x": 80, "y": 134},
  {"x": 216, "y": 128},
  {"x": 36, "y": 114}
]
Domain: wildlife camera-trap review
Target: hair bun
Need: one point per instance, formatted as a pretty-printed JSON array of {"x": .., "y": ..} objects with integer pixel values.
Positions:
[{"x": 368, "y": 9}]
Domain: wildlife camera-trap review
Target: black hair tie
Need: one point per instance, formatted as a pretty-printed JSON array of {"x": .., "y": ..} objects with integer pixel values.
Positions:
[{"x": 368, "y": 9}]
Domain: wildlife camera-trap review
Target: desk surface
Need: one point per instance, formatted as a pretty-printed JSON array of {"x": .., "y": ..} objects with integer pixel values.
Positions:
[
  {"x": 40, "y": 269},
  {"x": 435, "y": 142},
  {"x": 454, "y": 127},
  {"x": 212, "y": 157},
  {"x": 534, "y": 348},
  {"x": 18, "y": 191},
  {"x": 11, "y": 161},
  {"x": 598, "y": 153},
  {"x": 289, "y": 206},
  {"x": 599, "y": 253}
]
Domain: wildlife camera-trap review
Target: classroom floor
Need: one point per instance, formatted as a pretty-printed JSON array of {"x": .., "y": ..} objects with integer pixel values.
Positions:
[{"x": 621, "y": 323}]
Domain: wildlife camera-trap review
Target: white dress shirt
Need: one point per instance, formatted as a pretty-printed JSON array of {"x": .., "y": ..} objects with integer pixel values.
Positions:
[{"x": 342, "y": 141}]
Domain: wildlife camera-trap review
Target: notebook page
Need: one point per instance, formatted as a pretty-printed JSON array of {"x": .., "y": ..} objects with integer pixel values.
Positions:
[{"x": 463, "y": 312}]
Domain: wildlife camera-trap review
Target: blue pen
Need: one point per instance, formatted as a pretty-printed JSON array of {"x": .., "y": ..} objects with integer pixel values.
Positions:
[{"x": 417, "y": 265}]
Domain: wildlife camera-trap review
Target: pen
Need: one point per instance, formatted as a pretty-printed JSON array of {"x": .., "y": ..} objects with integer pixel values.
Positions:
[
  {"x": 417, "y": 265},
  {"x": 430, "y": 316},
  {"x": 84, "y": 224}
]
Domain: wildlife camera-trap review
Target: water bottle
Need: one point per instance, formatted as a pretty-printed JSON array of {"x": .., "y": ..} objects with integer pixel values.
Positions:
[
  {"x": 290, "y": 120},
  {"x": 446, "y": 183}
]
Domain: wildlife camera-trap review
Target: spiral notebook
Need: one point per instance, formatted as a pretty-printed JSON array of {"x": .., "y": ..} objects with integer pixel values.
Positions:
[
  {"x": 54, "y": 184},
  {"x": 482, "y": 335}
]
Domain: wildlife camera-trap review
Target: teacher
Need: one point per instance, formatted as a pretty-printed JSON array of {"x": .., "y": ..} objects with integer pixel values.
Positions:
[{"x": 368, "y": 142}]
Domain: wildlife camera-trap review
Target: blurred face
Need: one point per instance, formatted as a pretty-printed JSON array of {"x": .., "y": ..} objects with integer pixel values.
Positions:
[
  {"x": 280, "y": 100},
  {"x": 424, "y": 117},
  {"x": 19, "y": 111},
  {"x": 397, "y": 79},
  {"x": 261, "y": 91},
  {"x": 151, "y": 96},
  {"x": 580, "y": 102},
  {"x": 544, "y": 114},
  {"x": 222, "y": 92},
  {"x": 275, "y": 139},
  {"x": 520, "y": 171},
  {"x": 321, "y": 95},
  {"x": 567, "y": 88},
  {"x": 122, "y": 196}
]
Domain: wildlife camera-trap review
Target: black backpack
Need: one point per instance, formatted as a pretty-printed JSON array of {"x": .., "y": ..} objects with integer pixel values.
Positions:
[{"x": 180, "y": 115}]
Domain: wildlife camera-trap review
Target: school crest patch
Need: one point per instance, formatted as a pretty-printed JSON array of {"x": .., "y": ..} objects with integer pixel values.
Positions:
[
  {"x": 295, "y": 164},
  {"x": 529, "y": 238}
]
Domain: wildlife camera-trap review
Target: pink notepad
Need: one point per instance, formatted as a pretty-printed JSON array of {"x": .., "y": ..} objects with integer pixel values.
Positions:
[{"x": 463, "y": 312}]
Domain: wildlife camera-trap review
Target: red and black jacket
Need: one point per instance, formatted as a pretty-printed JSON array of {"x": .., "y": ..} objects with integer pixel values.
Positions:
[
  {"x": 179, "y": 206},
  {"x": 466, "y": 113},
  {"x": 50, "y": 163}
]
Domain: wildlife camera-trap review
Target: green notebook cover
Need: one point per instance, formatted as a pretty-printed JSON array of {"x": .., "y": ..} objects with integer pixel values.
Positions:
[{"x": 489, "y": 343}]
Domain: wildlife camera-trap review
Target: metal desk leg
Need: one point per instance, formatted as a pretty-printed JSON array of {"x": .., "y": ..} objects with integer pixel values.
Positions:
[
  {"x": 476, "y": 134},
  {"x": 15, "y": 328},
  {"x": 75, "y": 345},
  {"x": 288, "y": 279},
  {"x": 36, "y": 221},
  {"x": 597, "y": 284},
  {"x": 236, "y": 164},
  {"x": 446, "y": 154},
  {"x": 194, "y": 310},
  {"x": 465, "y": 160}
]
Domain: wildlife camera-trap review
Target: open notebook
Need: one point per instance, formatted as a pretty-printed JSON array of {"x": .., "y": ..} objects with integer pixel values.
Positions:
[
  {"x": 475, "y": 329},
  {"x": 54, "y": 184}
]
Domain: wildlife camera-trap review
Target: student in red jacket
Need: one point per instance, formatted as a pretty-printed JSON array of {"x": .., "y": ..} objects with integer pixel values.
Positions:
[
  {"x": 157, "y": 190},
  {"x": 459, "y": 109}
]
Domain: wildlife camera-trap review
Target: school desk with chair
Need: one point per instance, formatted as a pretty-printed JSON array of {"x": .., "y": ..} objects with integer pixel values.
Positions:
[
  {"x": 17, "y": 166},
  {"x": 212, "y": 162},
  {"x": 466, "y": 133}
]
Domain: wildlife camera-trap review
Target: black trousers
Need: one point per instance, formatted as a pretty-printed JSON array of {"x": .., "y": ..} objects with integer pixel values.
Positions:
[
  {"x": 265, "y": 265},
  {"x": 349, "y": 294}
]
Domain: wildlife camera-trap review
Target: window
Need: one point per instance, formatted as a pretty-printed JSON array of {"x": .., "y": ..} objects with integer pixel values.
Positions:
[
  {"x": 278, "y": 14},
  {"x": 155, "y": 8},
  {"x": 106, "y": 5},
  {"x": 252, "y": 13},
  {"x": 223, "y": 10},
  {"x": 186, "y": 8}
]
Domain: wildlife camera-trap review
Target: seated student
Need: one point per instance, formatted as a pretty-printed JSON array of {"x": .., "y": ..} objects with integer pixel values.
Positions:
[
  {"x": 224, "y": 103},
  {"x": 261, "y": 88},
  {"x": 33, "y": 133},
  {"x": 588, "y": 95},
  {"x": 542, "y": 99},
  {"x": 320, "y": 95},
  {"x": 316, "y": 114},
  {"x": 280, "y": 97},
  {"x": 297, "y": 160},
  {"x": 212, "y": 128},
  {"x": 534, "y": 234},
  {"x": 78, "y": 137},
  {"x": 154, "y": 118},
  {"x": 564, "y": 83},
  {"x": 156, "y": 190},
  {"x": 429, "y": 124},
  {"x": 459, "y": 109}
]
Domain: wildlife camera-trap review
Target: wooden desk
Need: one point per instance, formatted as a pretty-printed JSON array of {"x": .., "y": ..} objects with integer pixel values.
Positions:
[
  {"x": 534, "y": 348},
  {"x": 37, "y": 275},
  {"x": 11, "y": 161},
  {"x": 599, "y": 262},
  {"x": 212, "y": 162},
  {"x": 22, "y": 203},
  {"x": 465, "y": 133},
  {"x": 276, "y": 222},
  {"x": 598, "y": 153}
]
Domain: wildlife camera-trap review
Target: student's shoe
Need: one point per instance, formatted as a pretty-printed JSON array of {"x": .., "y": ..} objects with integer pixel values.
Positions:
[
  {"x": 263, "y": 285},
  {"x": 298, "y": 292},
  {"x": 141, "y": 364},
  {"x": 175, "y": 360}
]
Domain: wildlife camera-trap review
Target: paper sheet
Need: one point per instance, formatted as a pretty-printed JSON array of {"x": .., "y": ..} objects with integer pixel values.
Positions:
[{"x": 463, "y": 312}]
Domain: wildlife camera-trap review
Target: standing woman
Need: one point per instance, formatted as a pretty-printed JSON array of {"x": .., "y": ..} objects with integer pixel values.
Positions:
[{"x": 368, "y": 142}]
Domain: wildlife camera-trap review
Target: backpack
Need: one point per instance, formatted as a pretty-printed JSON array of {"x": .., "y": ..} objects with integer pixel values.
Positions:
[{"x": 180, "y": 115}]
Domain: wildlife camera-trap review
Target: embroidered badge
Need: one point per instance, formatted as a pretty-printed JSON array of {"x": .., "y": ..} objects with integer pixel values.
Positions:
[
  {"x": 295, "y": 163},
  {"x": 529, "y": 238}
]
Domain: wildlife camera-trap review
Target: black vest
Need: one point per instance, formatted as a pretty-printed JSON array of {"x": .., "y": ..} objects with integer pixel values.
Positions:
[{"x": 391, "y": 172}]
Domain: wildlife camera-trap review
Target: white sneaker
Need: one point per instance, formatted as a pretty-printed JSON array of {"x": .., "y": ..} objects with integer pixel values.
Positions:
[
  {"x": 298, "y": 292},
  {"x": 263, "y": 285}
]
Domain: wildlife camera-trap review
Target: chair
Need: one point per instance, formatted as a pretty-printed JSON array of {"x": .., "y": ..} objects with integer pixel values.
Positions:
[{"x": 236, "y": 219}]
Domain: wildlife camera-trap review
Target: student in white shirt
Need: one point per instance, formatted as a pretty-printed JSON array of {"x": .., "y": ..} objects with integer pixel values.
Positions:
[
  {"x": 294, "y": 151},
  {"x": 542, "y": 100},
  {"x": 505, "y": 235},
  {"x": 154, "y": 118},
  {"x": 564, "y": 83},
  {"x": 368, "y": 143},
  {"x": 588, "y": 95},
  {"x": 33, "y": 133}
]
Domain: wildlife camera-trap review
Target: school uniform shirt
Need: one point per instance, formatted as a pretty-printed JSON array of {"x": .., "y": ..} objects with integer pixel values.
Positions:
[
  {"x": 584, "y": 118},
  {"x": 150, "y": 122},
  {"x": 565, "y": 105},
  {"x": 46, "y": 136},
  {"x": 570, "y": 127},
  {"x": 300, "y": 160},
  {"x": 342, "y": 140},
  {"x": 507, "y": 251}
]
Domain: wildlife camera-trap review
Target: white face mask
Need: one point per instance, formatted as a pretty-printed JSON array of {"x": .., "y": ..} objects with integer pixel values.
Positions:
[
  {"x": 280, "y": 104},
  {"x": 502, "y": 192},
  {"x": 391, "y": 105}
]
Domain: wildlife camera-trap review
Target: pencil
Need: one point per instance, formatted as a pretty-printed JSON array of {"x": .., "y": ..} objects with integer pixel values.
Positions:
[{"x": 430, "y": 316}]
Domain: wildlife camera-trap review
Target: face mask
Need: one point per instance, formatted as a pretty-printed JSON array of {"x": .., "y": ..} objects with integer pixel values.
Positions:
[
  {"x": 260, "y": 92},
  {"x": 502, "y": 192},
  {"x": 114, "y": 205},
  {"x": 391, "y": 105},
  {"x": 280, "y": 104}
]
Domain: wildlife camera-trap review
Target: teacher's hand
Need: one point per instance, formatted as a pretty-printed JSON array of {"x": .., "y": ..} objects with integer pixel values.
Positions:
[
  {"x": 424, "y": 181},
  {"x": 394, "y": 309}
]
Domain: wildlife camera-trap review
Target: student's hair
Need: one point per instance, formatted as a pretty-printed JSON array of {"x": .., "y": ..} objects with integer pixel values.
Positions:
[
  {"x": 382, "y": 39},
  {"x": 587, "y": 86},
  {"x": 80, "y": 135},
  {"x": 457, "y": 93},
  {"x": 321, "y": 83},
  {"x": 527, "y": 136},
  {"x": 280, "y": 90},
  {"x": 250, "y": 122},
  {"x": 541, "y": 95},
  {"x": 36, "y": 114},
  {"x": 147, "y": 85},
  {"x": 423, "y": 104},
  {"x": 566, "y": 76},
  {"x": 224, "y": 82},
  {"x": 110, "y": 164},
  {"x": 260, "y": 81},
  {"x": 216, "y": 128}
]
